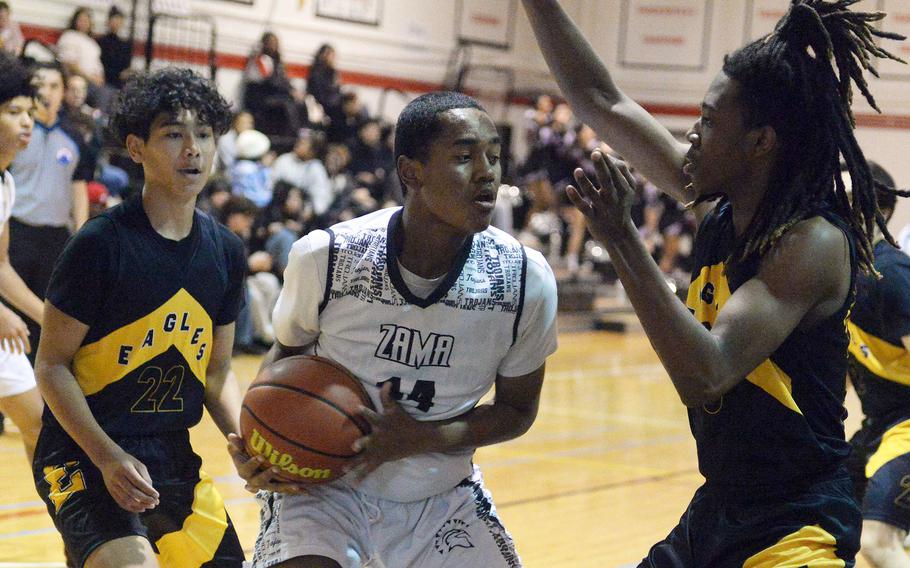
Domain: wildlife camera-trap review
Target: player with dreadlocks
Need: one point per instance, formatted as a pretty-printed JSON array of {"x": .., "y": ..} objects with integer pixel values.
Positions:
[{"x": 761, "y": 366}]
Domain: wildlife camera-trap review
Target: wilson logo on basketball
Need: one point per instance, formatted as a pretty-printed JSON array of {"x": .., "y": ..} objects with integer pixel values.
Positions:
[{"x": 263, "y": 447}]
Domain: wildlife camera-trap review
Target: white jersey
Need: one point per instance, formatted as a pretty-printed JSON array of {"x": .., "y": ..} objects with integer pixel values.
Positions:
[
  {"x": 493, "y": 314},
  {"x": 7, "y": 198},
  {"x": 16, "y": 375}
]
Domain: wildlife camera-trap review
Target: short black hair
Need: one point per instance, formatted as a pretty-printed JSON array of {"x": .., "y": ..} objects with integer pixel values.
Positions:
[
  {"x": 169, "y": 90},
  {"x": 419, "y": 122},
  {"x": 4, "y": 6},
  {"x": 238, "y": 205},
  {"x": 17, "y": 80}
]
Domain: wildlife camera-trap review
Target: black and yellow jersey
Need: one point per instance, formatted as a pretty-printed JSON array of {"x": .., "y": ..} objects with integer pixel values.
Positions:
[
  {"x": 879, "y": 362},
  {"x": 782, "y": 425},
  {"x": 151, "y": 305}
]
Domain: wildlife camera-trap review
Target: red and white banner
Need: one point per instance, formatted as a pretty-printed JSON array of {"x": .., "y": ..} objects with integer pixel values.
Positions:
[{"x": 665, "y": 33}]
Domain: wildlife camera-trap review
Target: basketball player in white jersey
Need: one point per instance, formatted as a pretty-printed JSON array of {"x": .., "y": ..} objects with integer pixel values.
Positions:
[
  {"x": 19, "y": 398},
  {"x": 429, "y": 307}
]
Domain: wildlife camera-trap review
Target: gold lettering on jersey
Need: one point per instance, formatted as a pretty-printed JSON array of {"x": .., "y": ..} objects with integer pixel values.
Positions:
[
  {"x": 261, "y": 446},
  {"x": 169, "y": 325},
  {"x": 64, "y": 481},
  {"x": 180, "y": 323},
  {"x": 409, "y": 347}
]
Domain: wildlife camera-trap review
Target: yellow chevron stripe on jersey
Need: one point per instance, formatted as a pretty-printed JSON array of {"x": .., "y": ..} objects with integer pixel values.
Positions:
[
  {"x": 774, "y": 381},
  {"x": 181, "y": 321},
  {"x": 895, "y": 442},
  {"x": 708, "y": 293},
  {"x": 812, "y": 547},
  {"x": 879, "y": 356},
  {"x": 198, "y": 540}
]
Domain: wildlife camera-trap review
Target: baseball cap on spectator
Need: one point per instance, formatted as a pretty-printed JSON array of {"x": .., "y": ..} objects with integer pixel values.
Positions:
[{"x": 252, "y": 145}]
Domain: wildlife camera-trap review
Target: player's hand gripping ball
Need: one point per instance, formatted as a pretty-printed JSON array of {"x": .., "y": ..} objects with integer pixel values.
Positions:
[{"x": 302, "y": 415}]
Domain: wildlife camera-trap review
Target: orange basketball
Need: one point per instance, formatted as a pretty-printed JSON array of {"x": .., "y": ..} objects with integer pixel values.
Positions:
[{"x": 301, "y": 413}]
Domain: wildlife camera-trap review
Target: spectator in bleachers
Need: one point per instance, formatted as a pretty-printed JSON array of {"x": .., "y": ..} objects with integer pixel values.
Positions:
[
  {"x": 538, "y": 117},
  {"x": 253, "y": 331},
  {"x": 11, "y": 39},
  {"x": 214, "y": 196},
  {"x": 286, "y": 219},
  {"x": 302, "y": 168},
  {"x": 322, "y": 82},
  {"x": 251, "y": 174},
  {"x": 51, "y": 196},
  {"x": 268, "y": 90},
  {"x": 353, "y": 114},
  {"x": 89, "y": 122},
  {"x": 350, "y": 200},
  {"x": 116, "y": 52},
  {"x": 80, "y": 54},
  {"x": 78, "y": 50},
  {"x": 227, "y": 144},
  {"x": 371, "y": 161}
]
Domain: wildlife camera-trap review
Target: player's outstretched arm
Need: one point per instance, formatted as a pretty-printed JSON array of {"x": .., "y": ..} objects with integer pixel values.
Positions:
[
  {"x": 12, "y": 288},
  {"x": 807, "y": 270},
  {"x": 222, "y": 394},
  {"x": 595, "y": 98},
  {"x": 396, "y": 435},
  {"x": 125, "y": 477}
]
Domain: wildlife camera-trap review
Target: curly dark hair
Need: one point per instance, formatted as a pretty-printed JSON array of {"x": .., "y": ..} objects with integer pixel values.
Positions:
[
  {"x": 799, "y": 80},
  {"x": 17, "y": 79},
  {"x": 168, "y": 90}
]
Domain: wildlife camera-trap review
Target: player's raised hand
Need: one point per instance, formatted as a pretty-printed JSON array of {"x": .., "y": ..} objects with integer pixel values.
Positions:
[
  {"x": 128, "y": 482},
  {"x": 607, "y": 208},
  {"x": 13, "y": 332},
  {"x": 394, "y": 435},
  {"x": 257, "y": 472}
]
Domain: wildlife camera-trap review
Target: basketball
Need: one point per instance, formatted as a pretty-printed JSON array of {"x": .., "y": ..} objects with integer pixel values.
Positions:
[{"x": 301, "y": 414}]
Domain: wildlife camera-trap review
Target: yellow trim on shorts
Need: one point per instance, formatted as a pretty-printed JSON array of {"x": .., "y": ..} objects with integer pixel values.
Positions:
[
  {"x": 813, "y": 547},
  {"x": 202, "y": 532},
  {"x": 895, "y": 443},
  {"x": 883, "y": 359},
  {"x": 98, "y": 364}
]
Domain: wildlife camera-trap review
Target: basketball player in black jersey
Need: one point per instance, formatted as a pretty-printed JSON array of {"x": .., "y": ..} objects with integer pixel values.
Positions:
[
  {"x": 761, "y": 367},
  {"x": 880, "y": 373},
  {"x": 137, "y": 339}
]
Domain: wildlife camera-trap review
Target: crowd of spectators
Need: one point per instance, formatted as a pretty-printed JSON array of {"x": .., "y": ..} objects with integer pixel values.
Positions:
[
  {"x": 298, "y": 171},
  {"x": 294, "y": 160},
  {"x": 557, "y": 145}
]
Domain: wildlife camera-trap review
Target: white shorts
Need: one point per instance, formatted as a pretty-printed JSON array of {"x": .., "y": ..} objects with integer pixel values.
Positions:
[
  {"x": 454, "y": 529},
  {"x": 16, "y": 374}
]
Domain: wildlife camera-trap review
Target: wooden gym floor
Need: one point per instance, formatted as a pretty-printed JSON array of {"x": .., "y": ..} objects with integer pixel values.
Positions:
[{"x": 605, "y": 472}]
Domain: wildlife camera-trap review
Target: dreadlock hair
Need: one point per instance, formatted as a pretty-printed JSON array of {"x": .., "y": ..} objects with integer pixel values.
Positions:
[{"x": 798, "y": 80}]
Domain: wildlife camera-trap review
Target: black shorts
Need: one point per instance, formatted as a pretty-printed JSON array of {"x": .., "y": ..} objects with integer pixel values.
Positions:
[
  {"x": 190, "y": 523},
  {"x": 823, "y": 522},
  {"x": 880, "y": 468}
]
